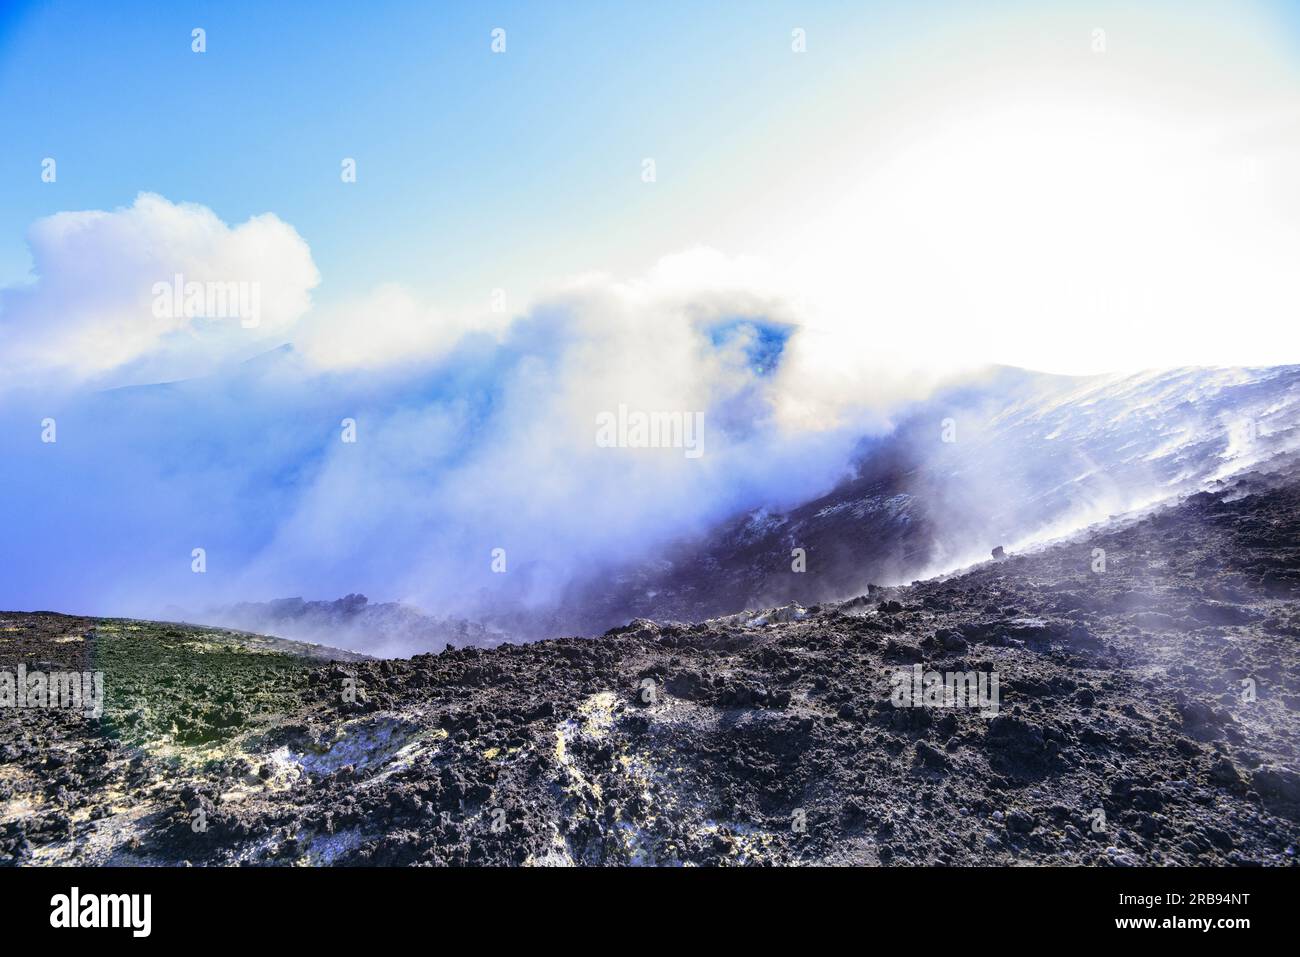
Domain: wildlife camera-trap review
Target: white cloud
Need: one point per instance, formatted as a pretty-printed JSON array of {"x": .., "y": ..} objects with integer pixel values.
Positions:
[
  {"x": 89, "y": 318},
  {"x": 493, "y": 440},
  {"x": 91, "y": 310},
  {"x": 388, "y": 326}
]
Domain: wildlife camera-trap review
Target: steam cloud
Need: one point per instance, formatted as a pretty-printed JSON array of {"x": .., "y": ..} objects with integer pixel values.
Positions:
[
  {"x": 470, "y": 436},
  {"x": 472, "y": 433}
]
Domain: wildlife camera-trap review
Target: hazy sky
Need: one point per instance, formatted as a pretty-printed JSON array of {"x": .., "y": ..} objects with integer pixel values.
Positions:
[{"x": 928, "y": 183}]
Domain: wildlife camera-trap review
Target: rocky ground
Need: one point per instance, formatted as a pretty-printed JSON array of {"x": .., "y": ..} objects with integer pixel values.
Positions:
[{"x": 1149, "y": 713}]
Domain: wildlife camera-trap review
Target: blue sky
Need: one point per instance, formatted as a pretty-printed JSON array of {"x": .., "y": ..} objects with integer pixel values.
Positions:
[
  {"x": 469, "y": 164},
  {"x": 479, "y": 171}
]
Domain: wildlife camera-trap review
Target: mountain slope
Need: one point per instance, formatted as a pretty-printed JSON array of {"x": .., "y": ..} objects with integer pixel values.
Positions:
[{"x": 1030, "y": 457}]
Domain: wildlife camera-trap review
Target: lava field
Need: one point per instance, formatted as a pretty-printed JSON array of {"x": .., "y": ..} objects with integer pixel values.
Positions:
[{"x": 1148, "y": 712}]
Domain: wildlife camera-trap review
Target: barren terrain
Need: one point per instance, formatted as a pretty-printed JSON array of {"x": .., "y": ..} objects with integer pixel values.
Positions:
[{"x": 1149, "y": 713}]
